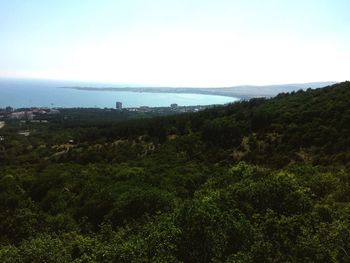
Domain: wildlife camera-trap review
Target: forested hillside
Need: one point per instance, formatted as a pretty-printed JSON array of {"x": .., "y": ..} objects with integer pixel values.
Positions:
[{"x": 264, "y": 180}]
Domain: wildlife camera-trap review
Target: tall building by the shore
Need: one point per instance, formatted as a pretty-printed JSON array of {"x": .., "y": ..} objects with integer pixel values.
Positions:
[{"x": 118, "y": 105}]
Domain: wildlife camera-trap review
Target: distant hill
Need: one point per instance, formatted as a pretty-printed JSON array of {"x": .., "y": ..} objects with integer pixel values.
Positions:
[{"x": 272, "y": 90}]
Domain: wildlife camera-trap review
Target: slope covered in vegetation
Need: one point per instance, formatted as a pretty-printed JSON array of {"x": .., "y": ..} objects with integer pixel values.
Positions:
[{"x": 256, "y": 181}]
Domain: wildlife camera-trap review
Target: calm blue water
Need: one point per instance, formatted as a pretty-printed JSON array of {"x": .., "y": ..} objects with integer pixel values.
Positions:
[{"x": 37, "y": 93}]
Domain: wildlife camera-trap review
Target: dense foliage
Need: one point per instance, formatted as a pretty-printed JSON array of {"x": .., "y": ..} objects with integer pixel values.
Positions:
[{"x": 264, "y": 180}]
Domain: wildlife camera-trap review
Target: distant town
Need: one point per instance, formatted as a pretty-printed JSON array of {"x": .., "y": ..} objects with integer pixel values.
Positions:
[
  {"x": 10, "y": 113},
  {"x": 37, "y": 114},
  {"x": 173, "y": 108},
  {"x": 27, "y": 117}
]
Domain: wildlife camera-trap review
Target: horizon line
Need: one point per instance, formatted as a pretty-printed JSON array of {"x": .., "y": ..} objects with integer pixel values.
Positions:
[{"x": 141, "y": 85}]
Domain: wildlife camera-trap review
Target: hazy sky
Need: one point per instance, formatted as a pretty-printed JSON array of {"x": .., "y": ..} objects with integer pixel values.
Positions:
[{"x": 176, "y": 42}]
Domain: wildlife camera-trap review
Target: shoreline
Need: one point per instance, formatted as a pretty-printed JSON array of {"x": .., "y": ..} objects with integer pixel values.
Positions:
[
  {"x": 224, "y": 92},
  {"x": 243, "y": 92}
]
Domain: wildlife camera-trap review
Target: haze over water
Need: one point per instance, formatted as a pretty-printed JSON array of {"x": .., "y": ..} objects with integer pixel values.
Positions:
[{"x": 27, "y": 93}]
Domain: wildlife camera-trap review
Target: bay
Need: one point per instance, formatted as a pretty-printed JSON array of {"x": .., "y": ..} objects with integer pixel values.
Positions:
[{"x": 42, "y": 93}]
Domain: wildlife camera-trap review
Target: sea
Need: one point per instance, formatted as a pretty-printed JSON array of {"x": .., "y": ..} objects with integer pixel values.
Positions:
[{"x": 21, "y": 93}]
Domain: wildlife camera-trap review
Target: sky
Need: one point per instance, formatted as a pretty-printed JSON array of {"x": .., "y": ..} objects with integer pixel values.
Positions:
[{"x": 176, "y": 42}]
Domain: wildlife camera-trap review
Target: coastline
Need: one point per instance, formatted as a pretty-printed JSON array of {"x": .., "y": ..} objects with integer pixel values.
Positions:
[
  {"x": 243, "y": 92},
  {"x": 225, "y": 92}
]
